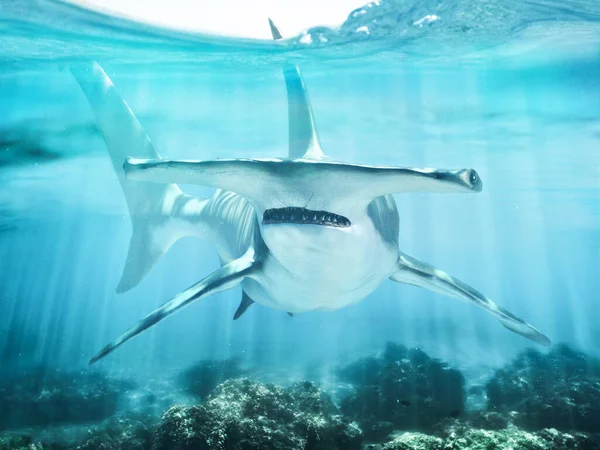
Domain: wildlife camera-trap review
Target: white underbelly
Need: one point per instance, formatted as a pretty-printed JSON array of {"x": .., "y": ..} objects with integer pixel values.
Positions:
[
  {"x": 298, "y": 294},
  {"x": 315, "y": 274}
]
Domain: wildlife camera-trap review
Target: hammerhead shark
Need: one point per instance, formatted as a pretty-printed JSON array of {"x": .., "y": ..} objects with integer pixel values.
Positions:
[{"x": 302, "y": 233}]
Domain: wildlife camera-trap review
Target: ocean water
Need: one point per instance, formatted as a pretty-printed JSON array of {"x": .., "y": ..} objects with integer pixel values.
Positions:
[{"x": 510, "y": 88}]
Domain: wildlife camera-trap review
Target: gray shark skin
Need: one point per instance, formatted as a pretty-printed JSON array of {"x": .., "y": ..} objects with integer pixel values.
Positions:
[{"x": 299, "y": 234}]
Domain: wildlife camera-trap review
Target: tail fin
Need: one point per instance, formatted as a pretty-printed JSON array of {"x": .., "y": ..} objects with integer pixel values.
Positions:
[
  {"x": 304, "y": 140},
  {"x": 150, "y": 205}
]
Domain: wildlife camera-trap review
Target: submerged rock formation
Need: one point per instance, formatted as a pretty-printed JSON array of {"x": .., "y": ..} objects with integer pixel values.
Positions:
[
  {"x": 402, "y": 389},
  {"x": 242, "y": 415},
  {"x": 416, "y": 441},
  {"x": 405, "y": 400},
  {"x": 559, "y": 390},
  {"x": 461, "y": 436},
  {"x": 129, "y": 432},
  {"x": 123, "y": 433},
  {"x": 47, "y": 396}
]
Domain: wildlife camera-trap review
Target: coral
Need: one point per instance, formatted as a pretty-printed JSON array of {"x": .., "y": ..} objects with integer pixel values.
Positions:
[
  {"x": 241, "y": 414},
  {"x": 403, "y": 389},
  {"x": 47, "y": 396},
  {"x": 559, "y": 390},
  {"x": 202, "y": 377}
]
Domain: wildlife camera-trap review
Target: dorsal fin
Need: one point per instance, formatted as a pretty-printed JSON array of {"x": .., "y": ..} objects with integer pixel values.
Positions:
[{"x": 303, "y": 137}]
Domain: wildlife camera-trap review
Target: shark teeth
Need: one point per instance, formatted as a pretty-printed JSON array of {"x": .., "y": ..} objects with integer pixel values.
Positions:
[{"x": 303, "y": 216}]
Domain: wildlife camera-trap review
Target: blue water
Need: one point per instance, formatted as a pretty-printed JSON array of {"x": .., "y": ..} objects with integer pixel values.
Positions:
[{"x": 510, "y": 88}]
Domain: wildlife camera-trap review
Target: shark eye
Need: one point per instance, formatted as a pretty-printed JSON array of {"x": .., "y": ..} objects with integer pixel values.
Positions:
[{"x": 473, "y": 177}]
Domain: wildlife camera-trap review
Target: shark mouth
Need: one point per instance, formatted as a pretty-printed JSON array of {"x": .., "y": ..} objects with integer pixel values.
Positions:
[{"x": 303, "y": 216}]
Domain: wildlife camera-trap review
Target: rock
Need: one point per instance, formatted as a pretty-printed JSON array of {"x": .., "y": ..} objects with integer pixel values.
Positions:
[
  {"x": 125, "y": 433},
  {"x": 201, "y": 378},
  {"x": 558, "y": 390},
  {"x": 242, "y": 414},
  {"x": 514, "y": 438},
  {"x": 405, "y": 387},
  {"x": 27, "y": 442},
  {"x": 311, "y": 399},
  {"x": 414, "y": 441},
  {"x": 566, "y": 441},
  {"x": 458, "y": 435},
  {"x": 47, "y": 396},
  {"x": 182, "y": 428},
  {"x": 20, "y": 442},
  {"x": 474, "y": 439}
]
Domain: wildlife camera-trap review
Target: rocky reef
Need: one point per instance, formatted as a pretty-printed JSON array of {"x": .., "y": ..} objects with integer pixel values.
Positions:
[
  {"x": 48, "y": 396},
  {"x": 402, "y": 389},
  {"x": 123, "y": 433},
  {"x": 400, "y": 400},
  {"x": 127, "y": 432},
  {"x": 461, "y": 436},
  {"x": 560, "y": 389},
  {"x": 241, "y": 414}
]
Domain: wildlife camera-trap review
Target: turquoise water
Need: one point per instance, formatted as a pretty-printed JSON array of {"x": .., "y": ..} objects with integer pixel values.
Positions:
[{"x": 509, "y": 88}]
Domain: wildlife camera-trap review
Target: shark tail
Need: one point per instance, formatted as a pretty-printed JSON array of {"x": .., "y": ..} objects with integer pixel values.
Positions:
[{"x": 154, "y": 208}]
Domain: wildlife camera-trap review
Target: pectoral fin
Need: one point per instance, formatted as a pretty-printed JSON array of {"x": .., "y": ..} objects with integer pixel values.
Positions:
[
  {"x": 227, "y": 277},
  {"x": 244, "y": 305},
  {"x": 410, "y": 270}
]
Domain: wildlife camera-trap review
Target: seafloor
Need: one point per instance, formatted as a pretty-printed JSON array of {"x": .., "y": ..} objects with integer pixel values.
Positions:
[{"x": 399, "y": 400}]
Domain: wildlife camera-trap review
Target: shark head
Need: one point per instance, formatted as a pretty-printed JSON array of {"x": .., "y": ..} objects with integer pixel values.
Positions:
[{"x": 304, "y": 203}]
